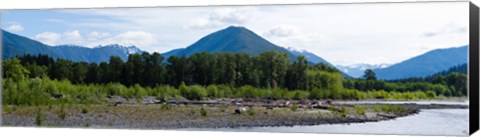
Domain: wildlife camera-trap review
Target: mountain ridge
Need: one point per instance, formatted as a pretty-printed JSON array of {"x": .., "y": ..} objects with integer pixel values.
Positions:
[
  {"x": 234, "y": 39},
  {"x": 425, "y": 64},
  {"x": 16, "y": 45},
  {"x": 238, "y": 39}
]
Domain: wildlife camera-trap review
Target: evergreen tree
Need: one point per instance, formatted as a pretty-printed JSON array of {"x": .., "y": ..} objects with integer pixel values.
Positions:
[{"x": 370, "y": 75}]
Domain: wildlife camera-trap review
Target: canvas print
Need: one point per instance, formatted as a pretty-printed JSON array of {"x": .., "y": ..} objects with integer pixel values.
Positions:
[{"x": 370, "y": 68}]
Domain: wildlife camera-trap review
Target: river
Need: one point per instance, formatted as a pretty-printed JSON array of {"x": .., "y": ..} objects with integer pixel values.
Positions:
[{"x": 449, "y": 122}]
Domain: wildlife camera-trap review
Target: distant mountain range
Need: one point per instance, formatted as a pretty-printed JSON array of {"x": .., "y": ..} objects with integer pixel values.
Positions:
[
  {"x": 235, "y": 39},
  {"x": 358, "y": 70},
  {"x": 426, "y": 64},
  {"x": 15, "y": 45}
]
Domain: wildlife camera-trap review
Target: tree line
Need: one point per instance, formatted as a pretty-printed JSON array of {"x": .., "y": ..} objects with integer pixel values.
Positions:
[
  {"x": 451, "y": 82},
  {"x": 267, "y": 70}
]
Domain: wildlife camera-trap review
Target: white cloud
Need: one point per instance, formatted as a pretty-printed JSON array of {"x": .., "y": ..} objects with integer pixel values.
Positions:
[
  {"x": 447, "y": 29},
  {"x": 232, "y": 15},
  {"x": 14, "y": 27},
  {"x": 49, "y": 38},
  {"x": 72, "y": 37},
  {"x": 138, "y": 38},
  {"x": 141, "y": 39},
  {"x": 202, "y": 23},
  {"x": 224, "y": 17},
  {"x": 282, "y": 31},
  {"x": 343, "y": 34},
  {"x": 53, "y": 38},
  {"x": 98, "y": 35},
  {"x": 293, "y": 37}
]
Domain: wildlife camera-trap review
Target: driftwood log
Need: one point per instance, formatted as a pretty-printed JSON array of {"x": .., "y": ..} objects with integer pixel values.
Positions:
[{"x": 386, "y": 115}]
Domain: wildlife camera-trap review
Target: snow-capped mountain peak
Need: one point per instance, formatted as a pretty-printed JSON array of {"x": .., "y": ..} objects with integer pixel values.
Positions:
[
  {"x": 126, "y": 49},
  {"x": 357, "y": 70}
]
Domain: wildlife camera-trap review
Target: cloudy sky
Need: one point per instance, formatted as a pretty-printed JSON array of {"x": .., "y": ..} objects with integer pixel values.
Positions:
[{"x": 343, "y": 34}]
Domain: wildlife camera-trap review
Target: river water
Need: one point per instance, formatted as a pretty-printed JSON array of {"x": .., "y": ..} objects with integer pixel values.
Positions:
[{"x": 445, "y": 122}]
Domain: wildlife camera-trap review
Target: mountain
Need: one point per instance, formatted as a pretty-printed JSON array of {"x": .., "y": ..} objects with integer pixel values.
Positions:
[
  {"x": 172, "y": 52},
  {"x": 426, "y": 64},
  {"x": 96, "y": 54},
  {"x": 309, "y": 56},
  {"x": 236, "y": 39},
  {"x": 357, "y": 70},
  {"x": 15, "y": 45},
  {"x": 232, "y": 39}
]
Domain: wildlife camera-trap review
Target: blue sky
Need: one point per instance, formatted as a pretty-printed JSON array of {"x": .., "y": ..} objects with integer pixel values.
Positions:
[{"x": 343, "y": 34}]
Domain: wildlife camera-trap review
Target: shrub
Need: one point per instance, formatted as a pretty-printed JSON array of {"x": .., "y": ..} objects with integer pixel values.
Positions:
[
  {"x": 298, "y": 94},
  {"x": 61, "y": 113},
  {"x": 360, "y": 110},
  {"x": 315, "y": 94},
  {"x": 214, "y": 92},
  {"x": 377, "y": 109},
  {"x": 280, "y": 93},
  {"x": 184, "y": 90},
  {"x": 344, "y": 111},
  {"x": 192, "y": 111},
  {"x": 386, "y": 108},
  {"x": 203, "y": 112},
  {"x": 196, "y": 92},
  {"x": 247, "y": 92},
  {"x": 39, "y": 117},
  {"x": 294, "y": 107},
  {"x": 398, "y": 109},
  {"x": 251, "y": 111},
  {"x": 166, "y": 92},
  {"x": 84, "y": 110},
  {"x": 392, "y": 108},
  {"x": 166, "y": 106},
  {"x": 225, "y": 90},
  {"x": 139, "y": 91},
  {"x": 223, "y": 107}
]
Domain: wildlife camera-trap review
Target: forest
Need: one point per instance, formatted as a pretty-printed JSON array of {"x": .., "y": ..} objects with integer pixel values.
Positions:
[{"x": 39, "y": 79}]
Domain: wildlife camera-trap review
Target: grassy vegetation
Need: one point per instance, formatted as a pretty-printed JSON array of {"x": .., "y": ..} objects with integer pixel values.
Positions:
[
  {"x": 389, "y": 108},
  {"x": 360, "y": 110},
  {"x": 61, "y": 113},
  {"x": 39, "y": 117},
  {"x": 84, "y": 110},
  {"x": 344, "y": 112},
  {"x": 203, "y": 112},
  {"x": 251, "y": 111},
  {"x": 223, "y": 107},
  {"x": 44, "y": 91},
  {"x": 294, "y": 107},
  {"x": 166, "y": 106}
]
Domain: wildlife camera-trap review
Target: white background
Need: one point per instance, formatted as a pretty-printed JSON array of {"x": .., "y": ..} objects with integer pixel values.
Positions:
[{"x": 76, "y": 132}]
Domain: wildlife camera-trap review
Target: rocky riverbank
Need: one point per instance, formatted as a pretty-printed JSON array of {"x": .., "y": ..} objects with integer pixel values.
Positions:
[{"x": 216, "y": 114}]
